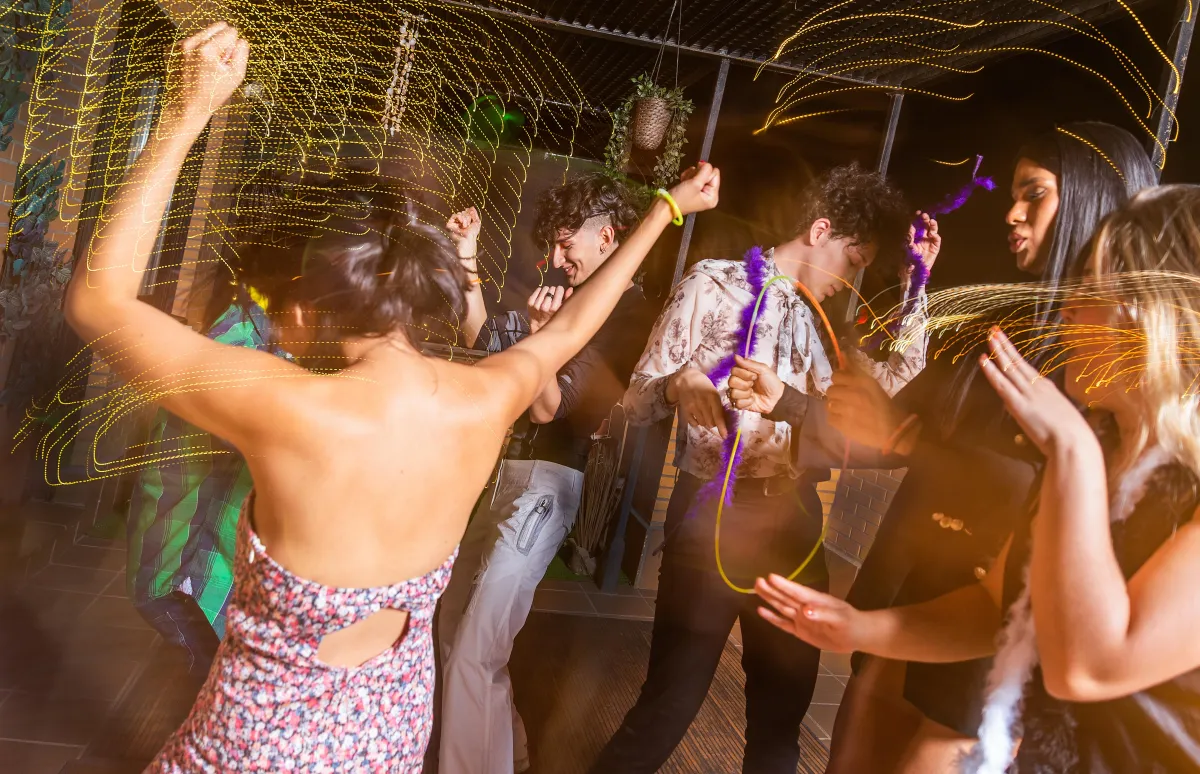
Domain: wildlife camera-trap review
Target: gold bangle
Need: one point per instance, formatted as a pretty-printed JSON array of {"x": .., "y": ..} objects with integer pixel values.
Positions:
[{"x": 676, "y": 213}]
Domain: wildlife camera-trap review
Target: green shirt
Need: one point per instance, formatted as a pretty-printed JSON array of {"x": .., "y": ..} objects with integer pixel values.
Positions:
[{"x": 183, "y": 513}]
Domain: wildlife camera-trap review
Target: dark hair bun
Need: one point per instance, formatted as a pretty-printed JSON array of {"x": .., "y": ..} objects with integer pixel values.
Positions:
[{"x": 374, "y": 268}]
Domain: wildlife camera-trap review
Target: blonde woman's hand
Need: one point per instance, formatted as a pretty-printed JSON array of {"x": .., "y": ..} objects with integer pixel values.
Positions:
[
  {"x": 203, "y": 72},
  {"x": 819, "y": 619},
  {"x": 1047, "y": 416}
]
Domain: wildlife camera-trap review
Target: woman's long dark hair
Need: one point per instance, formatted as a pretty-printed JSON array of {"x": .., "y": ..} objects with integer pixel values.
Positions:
[{"x": 1098, "y": 167}]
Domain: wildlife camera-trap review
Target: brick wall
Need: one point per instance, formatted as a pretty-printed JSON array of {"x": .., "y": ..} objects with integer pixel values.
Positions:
[{"x": 857, "y": 510}]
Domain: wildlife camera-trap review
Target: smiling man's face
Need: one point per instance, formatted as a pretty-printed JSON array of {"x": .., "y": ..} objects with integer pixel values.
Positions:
[{"x": 580, "y": 253}]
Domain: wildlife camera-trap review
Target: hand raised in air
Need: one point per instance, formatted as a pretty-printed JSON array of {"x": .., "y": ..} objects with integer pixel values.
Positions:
[{"x": 203, "y": 72}]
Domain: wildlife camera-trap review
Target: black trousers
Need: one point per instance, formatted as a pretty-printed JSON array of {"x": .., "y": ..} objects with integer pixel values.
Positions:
[{"x": 695, "y": 612}]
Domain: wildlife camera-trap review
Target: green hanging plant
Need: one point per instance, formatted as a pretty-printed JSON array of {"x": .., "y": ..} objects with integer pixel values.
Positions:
[{"x": 649, "y": 113}]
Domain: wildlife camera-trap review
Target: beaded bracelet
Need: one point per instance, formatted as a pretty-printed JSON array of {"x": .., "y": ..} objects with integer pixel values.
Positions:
[{"x": 676, "y": 213}]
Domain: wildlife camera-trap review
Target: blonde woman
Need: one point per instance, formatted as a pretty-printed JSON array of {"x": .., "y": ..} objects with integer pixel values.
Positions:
[
  {"x": 1098, "y": 667},
  {"x": 364, "y": 478}
]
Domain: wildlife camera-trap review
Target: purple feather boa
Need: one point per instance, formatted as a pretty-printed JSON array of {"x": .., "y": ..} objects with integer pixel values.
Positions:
[
  {"x": 746, "y": 340},
  {"x": 920, "y": 272},
  {"x": 950, "y": 203}
]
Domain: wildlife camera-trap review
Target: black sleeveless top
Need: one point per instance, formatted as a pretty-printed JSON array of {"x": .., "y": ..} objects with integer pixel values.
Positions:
[{"x": 1155, "y": 731}]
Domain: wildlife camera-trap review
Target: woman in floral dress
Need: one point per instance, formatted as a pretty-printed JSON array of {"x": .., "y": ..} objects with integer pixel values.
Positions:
[{"x": 366, "y": 464}]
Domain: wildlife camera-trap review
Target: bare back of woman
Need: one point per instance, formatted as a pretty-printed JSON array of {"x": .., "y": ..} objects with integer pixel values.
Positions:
[{"x": 365, "y": 475}]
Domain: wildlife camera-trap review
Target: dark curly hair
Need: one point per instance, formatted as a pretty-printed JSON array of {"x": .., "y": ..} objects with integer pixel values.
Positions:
[
  {"x": 372, "y": 268},
  {"x": 580, "y": 199},
  {"x": 860, "y": 205}
]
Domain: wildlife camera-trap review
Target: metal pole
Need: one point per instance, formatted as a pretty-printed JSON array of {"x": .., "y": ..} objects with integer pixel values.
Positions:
[
  {"x": 885, "y": 157},
  {"x": 611, "y": 567},
  {"x": 889, "y": 134},
  {"x": 1172, "y": 83},
  {"x": 710, "y": 130}
]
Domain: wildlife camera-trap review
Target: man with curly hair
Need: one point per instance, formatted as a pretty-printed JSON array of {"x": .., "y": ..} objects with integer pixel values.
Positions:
[
  {"x": 772, "y": 518},
  {"x": 513, "y": 537}
]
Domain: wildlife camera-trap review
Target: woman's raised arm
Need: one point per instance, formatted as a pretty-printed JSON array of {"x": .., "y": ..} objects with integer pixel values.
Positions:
[
  {"x": 521, "y": 371},
  {"x": 170, "y": 363}
]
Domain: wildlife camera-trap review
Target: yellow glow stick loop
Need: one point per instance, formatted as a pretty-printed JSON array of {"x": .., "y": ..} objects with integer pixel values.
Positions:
[
  {"x": 676, "y": 213},
  {"x": 737, "y": 441}
]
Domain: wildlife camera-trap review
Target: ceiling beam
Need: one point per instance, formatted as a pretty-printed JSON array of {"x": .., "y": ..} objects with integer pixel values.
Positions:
[{"x": 649, "y": 42}]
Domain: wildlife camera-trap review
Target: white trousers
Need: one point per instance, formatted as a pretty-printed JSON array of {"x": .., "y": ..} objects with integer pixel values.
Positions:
[{"x": 503, "y": 556}]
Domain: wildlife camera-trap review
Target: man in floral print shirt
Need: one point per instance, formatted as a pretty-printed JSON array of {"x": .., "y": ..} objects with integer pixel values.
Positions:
[{"x": 849, "y": 216}]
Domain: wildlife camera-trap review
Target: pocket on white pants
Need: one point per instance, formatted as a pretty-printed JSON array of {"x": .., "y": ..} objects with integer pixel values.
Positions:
[{"x": 532, "y": 525}]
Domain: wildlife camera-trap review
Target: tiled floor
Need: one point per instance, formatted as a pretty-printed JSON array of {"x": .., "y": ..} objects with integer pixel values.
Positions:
[
  {"x": 72, "y": 649},
  {"x": 575, "y": 598},
  {"x": 583, "y": 598}
]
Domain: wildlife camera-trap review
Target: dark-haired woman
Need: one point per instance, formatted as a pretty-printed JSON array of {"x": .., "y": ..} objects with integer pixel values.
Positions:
[
  {"x": 969, "y": 467},
  {"x": 1098, "y": 667},
  {"x": 364, "y": 477}
]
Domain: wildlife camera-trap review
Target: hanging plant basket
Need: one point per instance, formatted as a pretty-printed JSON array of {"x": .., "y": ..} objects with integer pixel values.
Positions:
[{"x": 652, "y": 118}]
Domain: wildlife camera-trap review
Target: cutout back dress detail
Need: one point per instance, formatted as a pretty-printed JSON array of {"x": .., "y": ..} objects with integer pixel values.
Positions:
[{"x": 269, "y": 704}]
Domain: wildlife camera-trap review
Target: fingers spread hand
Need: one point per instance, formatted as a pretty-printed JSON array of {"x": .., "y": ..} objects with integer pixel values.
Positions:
[
  {"x": 1010, "y": 356},
  {"x": 798, "y": 594},
  {"x": 777, "y": 621}
]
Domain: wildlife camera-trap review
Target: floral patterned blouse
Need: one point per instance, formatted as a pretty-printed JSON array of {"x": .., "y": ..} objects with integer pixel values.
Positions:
[{"x": 699, "y": 326}]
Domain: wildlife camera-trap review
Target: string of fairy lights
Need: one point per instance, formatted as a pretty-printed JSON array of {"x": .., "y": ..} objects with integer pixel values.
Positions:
[
  {"x": 385, "y": 85},
  {"x": 959, "y": 319},
  {"x": 442, "y": 102},
  {"x": 447, "y": 103},
  {"x": 832, "y": 43}
]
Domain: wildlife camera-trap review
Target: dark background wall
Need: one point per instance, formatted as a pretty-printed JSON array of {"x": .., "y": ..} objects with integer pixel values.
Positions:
[{"x": 1014, "y": 99}]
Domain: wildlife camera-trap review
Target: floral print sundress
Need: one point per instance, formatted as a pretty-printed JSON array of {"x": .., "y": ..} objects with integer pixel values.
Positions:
[{"x": 269, "y": 705}]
